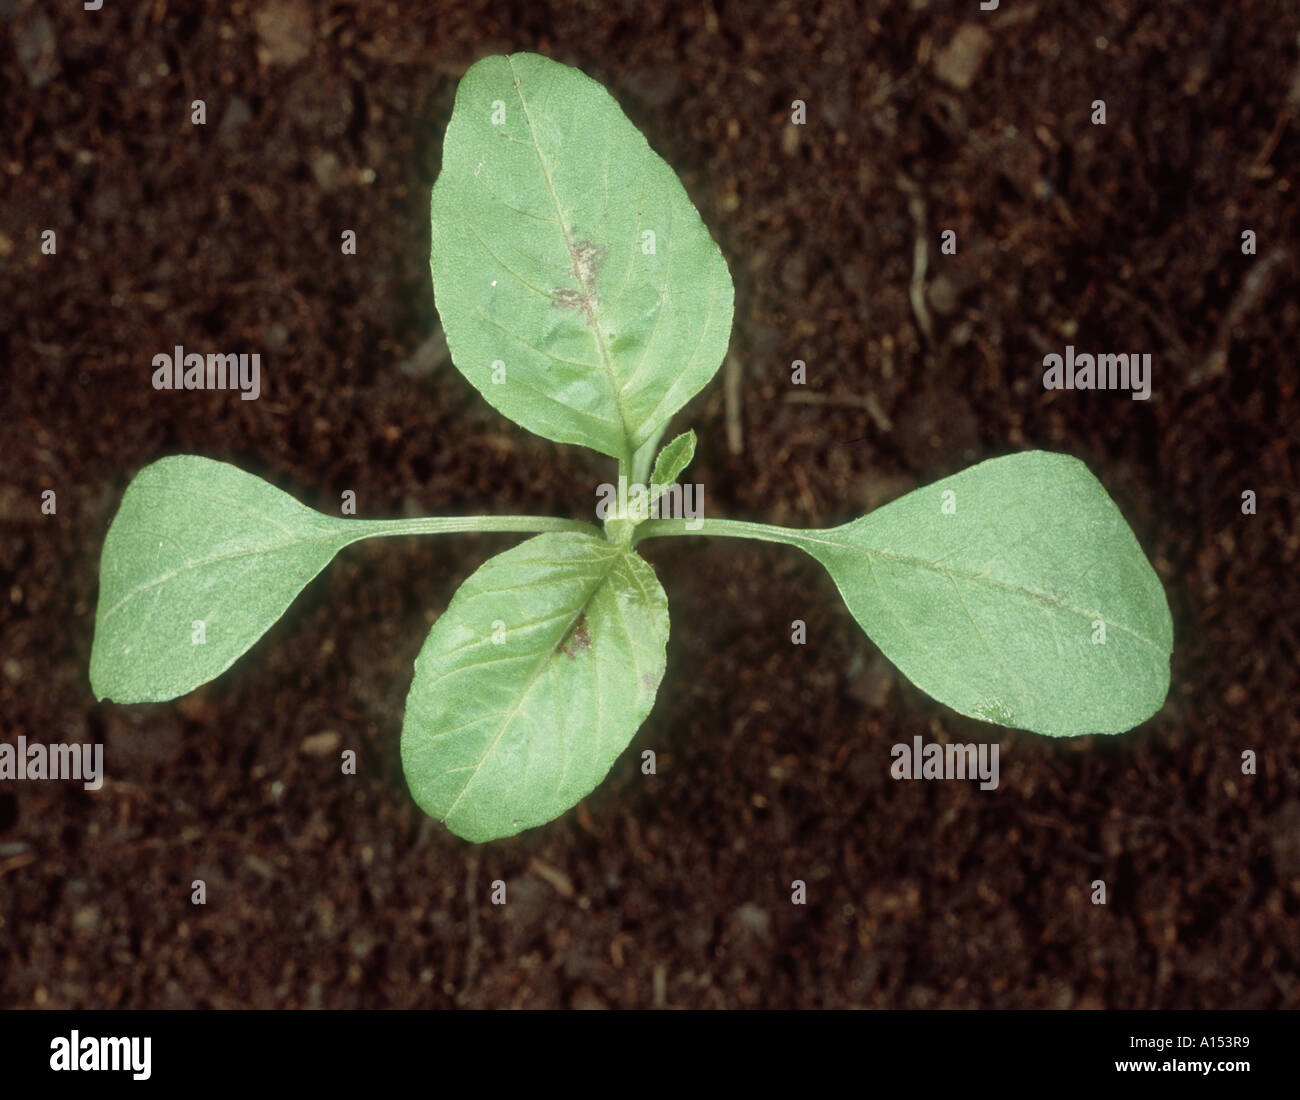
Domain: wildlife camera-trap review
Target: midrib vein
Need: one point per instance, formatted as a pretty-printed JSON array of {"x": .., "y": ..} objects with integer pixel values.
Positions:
[
  {"x": 201, "y": 563},
  {"x": 978, "y": 578}
]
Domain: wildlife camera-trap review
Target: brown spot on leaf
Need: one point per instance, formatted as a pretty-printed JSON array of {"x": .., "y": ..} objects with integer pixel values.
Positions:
[
  {"x": 576, "y": 639},
  {"x": 586, "y": 258},
  {"x": 566, "y": 298}
]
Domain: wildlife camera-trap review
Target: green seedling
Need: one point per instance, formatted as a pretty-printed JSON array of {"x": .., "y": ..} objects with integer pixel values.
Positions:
[{"x": 582, "y": 295}]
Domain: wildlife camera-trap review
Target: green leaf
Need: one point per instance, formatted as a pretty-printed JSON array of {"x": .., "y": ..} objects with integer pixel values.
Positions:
[
  {"x": 532, "y": 682},
  {"x": 199, "y": 561},
  {"x": 557, "y": 305},
  {"x": 672, "y": 460},
  {"x": 989, "y": 590}
]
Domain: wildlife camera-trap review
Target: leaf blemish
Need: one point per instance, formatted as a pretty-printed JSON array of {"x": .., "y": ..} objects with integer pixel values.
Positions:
[
  {"x": 586, "y": 258},
  {"x": 578, "y": 638}
]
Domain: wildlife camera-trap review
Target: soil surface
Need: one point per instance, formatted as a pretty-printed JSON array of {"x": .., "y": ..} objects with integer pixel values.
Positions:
[{"x": 326, "y": 890}]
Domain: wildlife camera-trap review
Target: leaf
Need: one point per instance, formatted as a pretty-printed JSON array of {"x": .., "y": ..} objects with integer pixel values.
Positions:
[
  {"x": 199, "y": 561},
  {"x": 995, "y": 609},
  {"x": 532, "y": 682},
  {"x": 543, "y": 271},
  {"x": 672, "y": 460}
]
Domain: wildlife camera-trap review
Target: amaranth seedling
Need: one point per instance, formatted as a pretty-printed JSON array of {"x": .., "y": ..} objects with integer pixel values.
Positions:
[{"x": 582, "y": 295}]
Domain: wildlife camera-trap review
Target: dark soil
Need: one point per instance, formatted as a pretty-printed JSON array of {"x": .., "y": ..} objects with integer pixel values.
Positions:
[{"x": 673, "y": 889}]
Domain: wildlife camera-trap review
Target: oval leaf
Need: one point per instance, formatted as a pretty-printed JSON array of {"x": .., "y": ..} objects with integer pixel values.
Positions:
[
  {"x": 579, "y": 290},
  {"x": 532, "y": 682},
  {"x": 199, "y": 561},
  {"x": 1014, "y": 592},
  {"x": 672, "y": 460}
]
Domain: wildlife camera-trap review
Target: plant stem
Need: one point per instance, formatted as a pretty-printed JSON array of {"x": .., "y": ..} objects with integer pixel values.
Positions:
[
  {"x": 645, "y": 455},
  {"x": 727, "y": 528},
  {"x": 454, "y": 525}
]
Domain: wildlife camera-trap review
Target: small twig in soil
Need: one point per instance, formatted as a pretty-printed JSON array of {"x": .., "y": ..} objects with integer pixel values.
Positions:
[
  {"x": 1162, "y": 325},
  {"x": 805, "y": 495},
  {"x": 659, "y": 983},
  {"x": 731, "y": 379},
  {"x": 849, "y": 400},
  {"x": 1253, "y": 288},
  {"x": 471, "y": 925},
  {"x": 920, "y": 257},
  {"x": 1289, "y": 108},
  {"x": 13, "y": 863},
  {"x": 558, "y": 880}
]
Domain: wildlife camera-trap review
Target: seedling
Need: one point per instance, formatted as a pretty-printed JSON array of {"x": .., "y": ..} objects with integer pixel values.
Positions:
[{"x": 582, "y": 295}]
